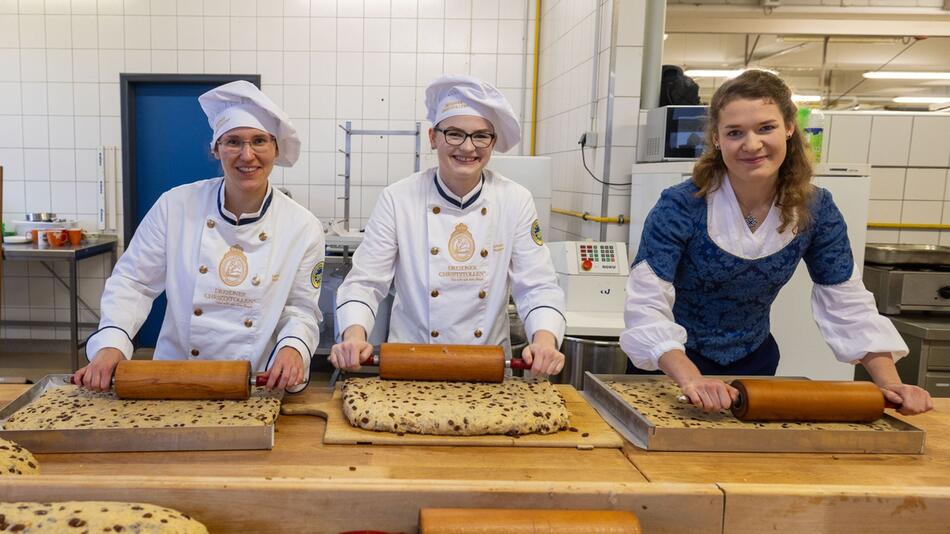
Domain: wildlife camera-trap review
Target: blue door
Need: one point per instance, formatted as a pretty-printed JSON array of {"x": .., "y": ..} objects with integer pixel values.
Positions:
[{"x": 170, "y": 143}]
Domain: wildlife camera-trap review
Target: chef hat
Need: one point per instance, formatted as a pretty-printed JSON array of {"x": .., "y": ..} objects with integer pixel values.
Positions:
[
  {"x": 450, "y": 95},
  {"x": 242, "y": 105}
]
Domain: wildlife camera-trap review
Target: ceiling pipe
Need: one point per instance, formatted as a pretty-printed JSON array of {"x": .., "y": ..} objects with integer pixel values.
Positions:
[{"x": 653, "y": 25}]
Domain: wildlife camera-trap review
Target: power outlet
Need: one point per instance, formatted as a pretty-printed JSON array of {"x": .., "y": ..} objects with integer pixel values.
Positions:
[{"x": 589, "y": 139}]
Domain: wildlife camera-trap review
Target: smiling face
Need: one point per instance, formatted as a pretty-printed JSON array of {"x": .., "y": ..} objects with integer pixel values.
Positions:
[
  {"x": 752, "y": 139},
  {"x": 463, "y": 164},
  {"x": 247, "y": 156}
]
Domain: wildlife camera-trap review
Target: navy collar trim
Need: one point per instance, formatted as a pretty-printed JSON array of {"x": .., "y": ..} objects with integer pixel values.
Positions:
[
  {"x": 242, "y": 222},
  {"x": 454, "y": 201}
]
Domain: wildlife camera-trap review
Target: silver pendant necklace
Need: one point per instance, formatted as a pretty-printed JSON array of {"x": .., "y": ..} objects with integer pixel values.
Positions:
[{"x": 751, "y": 221}]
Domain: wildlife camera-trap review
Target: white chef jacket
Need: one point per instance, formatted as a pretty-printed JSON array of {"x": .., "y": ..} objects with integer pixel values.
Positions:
[
  {"x": 237, "y": 290},
  {"x": 846, "y": 314},
  {"x": 453, "y": 261}
]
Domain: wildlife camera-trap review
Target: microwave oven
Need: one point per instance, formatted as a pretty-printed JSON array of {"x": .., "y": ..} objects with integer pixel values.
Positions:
[{"x": 673, "y": 133}]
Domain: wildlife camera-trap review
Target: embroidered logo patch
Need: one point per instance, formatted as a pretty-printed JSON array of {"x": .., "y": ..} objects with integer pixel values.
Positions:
[
  {"x": 461, "y": 244},
  {"x": 233, "y": 267},
  {"x": 536, "y": 232},
  {"x": 316, "y": 275}
]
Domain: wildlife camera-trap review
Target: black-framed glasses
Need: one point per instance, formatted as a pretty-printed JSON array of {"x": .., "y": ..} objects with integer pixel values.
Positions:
[
  {"x": 259, "y": 144},
  {"x": 456, "y": 137}
]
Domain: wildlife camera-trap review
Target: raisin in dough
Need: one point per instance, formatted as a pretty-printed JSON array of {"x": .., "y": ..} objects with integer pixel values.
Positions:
[
  {"x": 512, "y": 407},
  {"x": 71, "y": 407},
  {"x": 15, "y": 460},
  {"x": 95, "y": 516}
]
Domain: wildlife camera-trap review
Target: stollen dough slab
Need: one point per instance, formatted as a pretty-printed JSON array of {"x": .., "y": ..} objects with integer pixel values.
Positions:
[
  {"x": 71, "y": 407},
  {"x": 513, "y": 407},
  {"x": 15, "y": 460},
  {"x": 95, "y": 516}
]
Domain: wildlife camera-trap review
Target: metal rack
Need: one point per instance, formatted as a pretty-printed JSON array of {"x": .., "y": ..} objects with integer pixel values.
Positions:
[{"x": 347, "y": 151}]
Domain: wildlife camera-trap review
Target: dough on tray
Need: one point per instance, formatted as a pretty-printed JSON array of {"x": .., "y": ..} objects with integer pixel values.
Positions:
[
  {"x": 512, "y": 407},
  {"x": 71, "y": 407},
  {"x": 15, "y": 460},
  {"x": 95, "y": 516}
]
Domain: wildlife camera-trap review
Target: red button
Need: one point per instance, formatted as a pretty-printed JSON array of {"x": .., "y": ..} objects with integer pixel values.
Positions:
[{"x": 586, "y": 265}]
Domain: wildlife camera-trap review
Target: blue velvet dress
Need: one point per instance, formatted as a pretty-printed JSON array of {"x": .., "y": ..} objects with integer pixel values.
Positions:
[{"x": 722, "y": 300}]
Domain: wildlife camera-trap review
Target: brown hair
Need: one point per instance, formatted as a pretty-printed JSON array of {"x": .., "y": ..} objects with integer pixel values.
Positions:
[{"x": 795, "y": 190}]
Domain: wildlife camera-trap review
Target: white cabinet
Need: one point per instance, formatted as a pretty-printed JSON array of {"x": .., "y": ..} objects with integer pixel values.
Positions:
[
  {"x": 890, "y": 140},
  {"x": 851, "y": 137},
  {"x": 931, "y": 142}
]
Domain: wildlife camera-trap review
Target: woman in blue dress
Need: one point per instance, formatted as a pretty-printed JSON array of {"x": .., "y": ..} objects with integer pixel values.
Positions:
[{"x": 717, "y": 249}]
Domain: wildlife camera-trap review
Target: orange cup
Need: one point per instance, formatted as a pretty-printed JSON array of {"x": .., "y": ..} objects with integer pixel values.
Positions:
[
  {"x": 75, "y": 236},
  {"x": 56, "y": 238},
  {"x": 35, "y": 236}
]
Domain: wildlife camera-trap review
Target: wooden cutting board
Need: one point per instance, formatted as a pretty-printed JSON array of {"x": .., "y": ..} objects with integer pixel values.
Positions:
[{"x": 589, "y": 429}]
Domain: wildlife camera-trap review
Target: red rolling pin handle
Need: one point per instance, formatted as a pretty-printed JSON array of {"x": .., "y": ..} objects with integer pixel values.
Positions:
[
  {"x": 518, "y": 363},
  {"x": 259, "y": 380}
]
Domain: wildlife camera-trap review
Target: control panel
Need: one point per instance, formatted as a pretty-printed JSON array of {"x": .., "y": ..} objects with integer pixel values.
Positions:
[{"x": 590, "y": 257}]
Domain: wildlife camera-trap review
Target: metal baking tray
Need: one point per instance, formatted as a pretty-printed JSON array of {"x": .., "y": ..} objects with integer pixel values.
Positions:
[
  {"x": 883, "y": 254},
  {"x": 757, "y": 437},
  {"x": 128, "y": 439}
]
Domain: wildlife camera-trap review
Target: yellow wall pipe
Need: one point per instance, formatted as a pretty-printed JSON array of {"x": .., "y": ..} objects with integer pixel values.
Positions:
[
  {"x": 907, "y": 226},
  {"x": 620, "y": 219},
  {"x": 534, "y": 84}
]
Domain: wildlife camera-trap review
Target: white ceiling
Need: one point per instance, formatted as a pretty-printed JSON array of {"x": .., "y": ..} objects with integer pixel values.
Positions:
[{"x": 730, "y": 28}]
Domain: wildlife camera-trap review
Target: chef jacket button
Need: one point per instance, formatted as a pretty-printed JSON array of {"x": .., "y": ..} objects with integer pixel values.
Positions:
[
  {"x": 484, "y": 211},
  {"x": 478, "y": 333},
  {"x": 434, "y": 250},
  {"x": 436, "y": 210},
  {"x": 210, "y": 223},
  {"x": 203, "y": 269},
  {"x": 256, "y": 281},
  {"x": 198, "y": 311},
  {"x": 435, "y": 333},
  {"x": 484, "y": 253},
  {"x": 481, "y": 294},
  {"x": 275, "y": 278},
  {"x": 262, "y": 236},
  {"x": 435, "y": 293},
  {"x": 248, "y": 323},
  {"x": 195, "y": 353}
]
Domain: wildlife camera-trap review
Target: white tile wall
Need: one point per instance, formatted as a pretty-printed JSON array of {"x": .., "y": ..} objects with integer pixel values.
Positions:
[
  {"x": 566, "y": 103},
  {"x": 909, "y": 154},
  {"x": 324, "y": 61}
]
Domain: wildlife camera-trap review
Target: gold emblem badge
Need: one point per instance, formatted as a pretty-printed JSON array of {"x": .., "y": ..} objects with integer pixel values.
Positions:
[
  {"x": 536, "y": 232},
  {"x": 461, "y": 244},
  {"x": 233, "y": 267},
  {"x": 316, "y": 275}
]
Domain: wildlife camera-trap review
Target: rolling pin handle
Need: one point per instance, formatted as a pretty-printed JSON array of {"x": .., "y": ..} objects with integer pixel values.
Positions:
[
  {"x": 518, "y": 363},
  {"x": 259, "y": 380},
  {"x": 889, "y": 404},
  {"x": 373, "y": 360}
]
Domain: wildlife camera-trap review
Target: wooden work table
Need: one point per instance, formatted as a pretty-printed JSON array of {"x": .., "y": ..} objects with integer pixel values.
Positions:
[{"x": 670, "y": 492}]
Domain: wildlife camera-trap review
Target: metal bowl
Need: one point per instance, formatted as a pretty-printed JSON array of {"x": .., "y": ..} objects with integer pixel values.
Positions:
[{"x": 41, "y": 216}]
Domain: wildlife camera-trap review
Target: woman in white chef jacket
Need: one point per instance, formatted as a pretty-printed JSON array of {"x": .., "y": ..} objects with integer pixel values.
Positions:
[
  {"x": 240, "y": 262},
  {"x": 454, "y": 239},
  {"x": 717, "y": 249}
]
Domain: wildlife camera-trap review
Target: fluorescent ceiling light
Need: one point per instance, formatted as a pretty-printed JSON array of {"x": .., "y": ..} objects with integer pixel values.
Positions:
[
  {"x": 922, "y": 100},
  {"x": 806, "y": 98},
  {"x": 907, "y": 75},
  {"x": 713, "y": 73}
]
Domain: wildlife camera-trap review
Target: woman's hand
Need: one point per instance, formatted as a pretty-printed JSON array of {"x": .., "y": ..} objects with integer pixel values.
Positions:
[
  {"x": 708, "y": 394},
  {"x": 352, "y": 351},
  {"x": 287, "y": 370},
  {"x": 912, "y": 399},
  {"x": 542, "y": 354},
  {"x": 97, "y": 376}
]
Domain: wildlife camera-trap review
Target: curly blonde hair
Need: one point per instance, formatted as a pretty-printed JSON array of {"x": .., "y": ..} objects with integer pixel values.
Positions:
[{"x": 794, "y": 188}]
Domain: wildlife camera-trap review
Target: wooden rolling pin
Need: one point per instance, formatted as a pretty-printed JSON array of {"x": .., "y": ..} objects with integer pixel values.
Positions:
[
  {"x": 808, "y": 400},
  {"x": 184, "y": 380},
  {"x": 453, "y": 363},
  {"x": 513, "y": 521}
]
